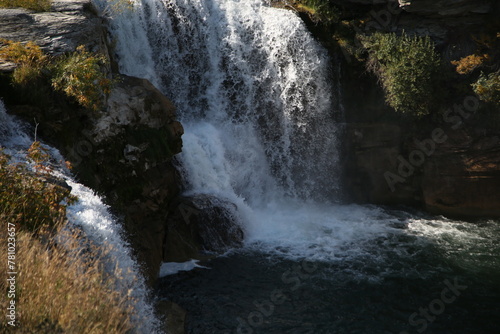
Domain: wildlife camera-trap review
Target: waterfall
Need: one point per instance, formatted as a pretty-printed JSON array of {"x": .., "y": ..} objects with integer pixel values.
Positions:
[
  {"x": 90, "y": 215},
  {"x": 253, "y": 91}
]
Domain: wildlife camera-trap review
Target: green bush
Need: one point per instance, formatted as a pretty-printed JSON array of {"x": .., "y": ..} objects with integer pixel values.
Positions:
[
  {"x": 36, "y": 5},
  {"x": 487, "y": 87},
  {"x": 322, "y": 10},
  {"x": 58, "y": 289},
  {"x": 408, "y": 69},
  {"x": 79, "y": 75},
  {"x": 27, "y": 198}
]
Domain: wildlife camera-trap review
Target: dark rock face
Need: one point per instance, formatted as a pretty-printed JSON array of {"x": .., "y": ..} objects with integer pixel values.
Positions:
[
  {"x": 373, "y": 150},
  {"x": 462, "y": 178},
  {"x": 446, "y": 7},
  {"x": 130, "y": 149},
  {"x": 199, "y": 224},
  {"x": 123, "y": 151}
]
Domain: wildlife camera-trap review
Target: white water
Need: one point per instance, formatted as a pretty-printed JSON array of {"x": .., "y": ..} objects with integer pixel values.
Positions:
[
  {"x": 91, "y": 215},
  {"x": 254, "y": 92}
]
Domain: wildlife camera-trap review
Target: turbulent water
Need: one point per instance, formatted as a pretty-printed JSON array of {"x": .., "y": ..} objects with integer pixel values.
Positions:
[
  {"x": 254, "y": 92},
  {"x": 91, "y": 216}
]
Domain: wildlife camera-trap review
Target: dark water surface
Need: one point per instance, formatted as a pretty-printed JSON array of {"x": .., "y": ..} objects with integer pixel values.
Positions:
[{"x": 408, "y": 284}]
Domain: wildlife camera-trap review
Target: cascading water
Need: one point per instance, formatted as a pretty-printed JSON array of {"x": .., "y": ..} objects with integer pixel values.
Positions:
[
  {"x": 254, "y": 93},
  {"x": 92, "y": 217},
  {"x": 252, "y": 90}
]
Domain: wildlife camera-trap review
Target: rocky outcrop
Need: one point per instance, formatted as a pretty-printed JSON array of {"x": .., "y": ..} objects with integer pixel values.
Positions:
[
  {"x": 71, "y": 23},
  {"x": 201, "y": 224},
  {"x": 124, "y": 151},
  {"x": 382, "y": 160},
  {"x": 457, "y": 176},
  {"x": 462, "y": 178}
]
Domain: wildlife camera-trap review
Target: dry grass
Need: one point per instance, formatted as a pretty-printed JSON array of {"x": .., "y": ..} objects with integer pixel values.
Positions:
[
  {"x": 61, "y": 286},
  {"x": 468, "y": 64},
  {"x": 61, "y": 294}
]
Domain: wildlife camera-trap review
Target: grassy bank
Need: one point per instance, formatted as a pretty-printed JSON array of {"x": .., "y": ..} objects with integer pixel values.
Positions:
[{"x": 59, "y": 286}]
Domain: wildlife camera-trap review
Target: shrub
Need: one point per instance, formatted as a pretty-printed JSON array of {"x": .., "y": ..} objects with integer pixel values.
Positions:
[
  {"x": 468, "y": 64},
  {"x": 320, "y": 10},
  {"x": 487, "y": 87},
  {"x": 29, "y": 58},
  {"x": 407, "y": 68},
  {"x": 36, "y": 5},
  {"x": 60, "y": 285},
  {"x": 79, "y": 75},
  {"x": 27, "y": 198}
]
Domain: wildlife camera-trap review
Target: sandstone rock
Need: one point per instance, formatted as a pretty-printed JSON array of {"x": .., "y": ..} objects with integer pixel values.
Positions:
[{"x": 201, "y": 223}]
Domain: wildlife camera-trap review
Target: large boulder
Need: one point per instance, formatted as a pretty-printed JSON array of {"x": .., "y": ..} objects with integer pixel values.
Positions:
[
  {"x": 201, "y": 224},
  {"x": 69, "y": 24},
  {"x": 126, "y": 153}
]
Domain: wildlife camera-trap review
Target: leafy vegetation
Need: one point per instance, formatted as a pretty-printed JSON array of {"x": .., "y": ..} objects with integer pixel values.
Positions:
[
  {"x": 487, "y": 84},
  {"x": 79, "y": 74},
  {"x": 487, "y": 87},
  {"x": 60, "y": 285},
  {"x": 29, "y": 58},
  {"x": 408, "y": 68},
  {"x": 322, "y": 10},
  {"x": 27, "y": 198},
  {"x": 468, "y": 64},
  {"x": 36, "y": 5}
]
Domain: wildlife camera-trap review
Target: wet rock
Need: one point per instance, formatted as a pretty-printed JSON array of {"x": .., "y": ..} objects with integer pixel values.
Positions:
[
  {"x": 462, "y": 177},
  {"x": 200, "y": 224},
  {"x": 175, "y": 317}
]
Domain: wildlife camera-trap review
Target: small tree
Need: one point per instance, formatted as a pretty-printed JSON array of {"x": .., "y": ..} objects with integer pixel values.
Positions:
[{"x": 407, "y": 68}]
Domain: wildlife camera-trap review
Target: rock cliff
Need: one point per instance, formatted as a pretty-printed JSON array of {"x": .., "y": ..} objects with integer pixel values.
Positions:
[
  {"x": 388, "y": 157},
  {"x": 124, "y": 150},
  {"x": 392, "y": 158}
]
